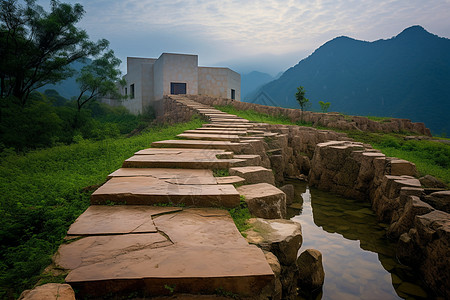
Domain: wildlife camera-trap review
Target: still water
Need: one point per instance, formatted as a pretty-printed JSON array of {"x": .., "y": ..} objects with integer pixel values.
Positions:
[{"x": 359, "y": 261}]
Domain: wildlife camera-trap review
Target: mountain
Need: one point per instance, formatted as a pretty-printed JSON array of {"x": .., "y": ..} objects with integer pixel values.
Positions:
[
  {"x": 68, "y": 88},
  {"x": 407, "y": 76},
  {"x": 252, "y": 81}
]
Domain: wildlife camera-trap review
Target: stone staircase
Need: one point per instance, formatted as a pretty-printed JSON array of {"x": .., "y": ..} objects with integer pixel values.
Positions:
[{"x": 157, "y": 226}]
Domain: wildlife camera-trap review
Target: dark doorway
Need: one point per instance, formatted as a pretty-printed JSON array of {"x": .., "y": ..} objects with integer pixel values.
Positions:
[
  {"x": 233, "y": 94},
  {"x": 177, "y": 88}
]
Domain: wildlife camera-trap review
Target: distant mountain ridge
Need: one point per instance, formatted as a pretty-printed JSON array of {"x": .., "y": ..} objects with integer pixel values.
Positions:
[
  {"x": 407, "y": 76},
  {"x": 253, "y": 81}
]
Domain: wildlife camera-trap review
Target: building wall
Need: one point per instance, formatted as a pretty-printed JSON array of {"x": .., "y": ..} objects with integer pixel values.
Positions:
[
  {"x": 181, "y": 68},
  {"x": 218, "y": 82},
  {"x": 234, "y": 82},
  {"x": 139, "y": 73}
]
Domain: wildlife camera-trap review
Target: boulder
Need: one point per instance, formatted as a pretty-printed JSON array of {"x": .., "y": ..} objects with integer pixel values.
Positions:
[
  {"x": 311, "y": 273},
  {"x": 288, "y": 189},
  {"x": 429, "y": 181},
  {"x": 281, "y": 237},
  {"x": 414, "y": 207},
  {"x": 273, "y": 290},
  {"x": 49, "y": 291},
  {"x": 264, "y": 200},
  {"x": 402, "y": 167},
  {"x": 439, "y": 200},
  {"x": 254, "y": 174}
]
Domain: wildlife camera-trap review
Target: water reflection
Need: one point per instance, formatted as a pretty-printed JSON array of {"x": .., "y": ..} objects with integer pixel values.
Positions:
[{"x": 359, "y": 261}]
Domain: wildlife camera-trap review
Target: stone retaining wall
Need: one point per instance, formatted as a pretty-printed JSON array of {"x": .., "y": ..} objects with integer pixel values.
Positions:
[
  {"x": 169, "y": 111},
  {"x": 331, "y": 120}
]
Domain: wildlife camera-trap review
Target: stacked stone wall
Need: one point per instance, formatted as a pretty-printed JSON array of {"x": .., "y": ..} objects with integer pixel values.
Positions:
[{"x": 331, "y": 120}]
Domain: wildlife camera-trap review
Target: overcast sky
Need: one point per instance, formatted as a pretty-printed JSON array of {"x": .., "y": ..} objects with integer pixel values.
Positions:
[{"x": 268, "y": 36}]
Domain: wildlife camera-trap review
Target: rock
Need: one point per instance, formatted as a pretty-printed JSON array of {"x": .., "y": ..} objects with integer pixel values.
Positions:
[
  {"x": 49, "y": 291},
  {"x": 433, "y": 237},
  {"x": 311, "y": 273},
  {"x": 439, "y": 200},
  {"x": 288, "y": 189},
  {"x": 281, "y": 237},
  {"x": 402, "y": 167},
  {"x": 264, "y": 200},
  {"x": 414, "y": 207},
  {"x": 274, "y": 290},
  {"x": 429, "y": 181},
  {"x": 254, "y": 174}
]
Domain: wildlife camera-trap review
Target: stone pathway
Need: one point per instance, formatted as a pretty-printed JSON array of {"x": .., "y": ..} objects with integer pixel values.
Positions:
[{"x": 148, "y": 245}]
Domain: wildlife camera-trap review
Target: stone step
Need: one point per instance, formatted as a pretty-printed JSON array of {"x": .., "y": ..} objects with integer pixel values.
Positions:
[
  {"x": 227, "y": 125},
  {"x": 177, "y": 161},
  {"x": 222, "y": 116},
  {"x": 174, "y": 176},
  {"x": 204, "y": 153},
  {"x": 229, "y": 120},
  {"x": 264, "y": 200},
  {"x": 198, "y": 144},
  {"x": 210, "y": 137},
  {"x": 200, "y": 252},
  {"x": 230, "y": 180},
  {"x": 254, "y": 174},
  {"x": 150, "y": 191},
  {"x": 250, "y": 159},
  {"x": 217, "y": 131}
]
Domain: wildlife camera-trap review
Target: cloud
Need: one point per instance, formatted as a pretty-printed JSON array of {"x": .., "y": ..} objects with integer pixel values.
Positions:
[{"x": 230, "y": 29}]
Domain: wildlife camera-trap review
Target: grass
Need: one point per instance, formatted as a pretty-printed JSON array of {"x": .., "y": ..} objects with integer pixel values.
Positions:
[
  {"x": 431, "y": 157},
  {"x": 240, "y": 216},
  {"x": 44, "y": 191}
]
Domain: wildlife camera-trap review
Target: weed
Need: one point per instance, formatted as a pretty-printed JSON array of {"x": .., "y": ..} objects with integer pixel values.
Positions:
[{"x": 221, "y": 172}]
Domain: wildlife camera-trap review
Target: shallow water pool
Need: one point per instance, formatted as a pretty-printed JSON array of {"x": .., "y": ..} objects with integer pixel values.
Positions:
[{"x": 359, "y": 261}]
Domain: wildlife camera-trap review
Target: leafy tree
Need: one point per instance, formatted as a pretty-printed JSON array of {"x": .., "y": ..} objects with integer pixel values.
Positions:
[
  {"x": 36, "y": 47},
  {"x": 302, "y": 100},
  {"x": 99, "y": 79},
  {"x": 324, "y": 106}
]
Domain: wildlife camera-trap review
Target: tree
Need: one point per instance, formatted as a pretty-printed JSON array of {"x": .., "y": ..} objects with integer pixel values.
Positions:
[
  {"x": 324, "y": 106},
  {"x": 99, "y": 79},
  {"x": 302, "y": 100},
  {"x": 37, "y": 47}
]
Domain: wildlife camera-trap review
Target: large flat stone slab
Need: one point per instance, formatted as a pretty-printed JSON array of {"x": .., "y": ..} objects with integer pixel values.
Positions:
[
  {"x": 190, "y": 161},
  {"x": 230, "y": 120},
  {"x": 254, "y": 174},
  {"x": 175, "y": 176},
  {"x": 230, "y": 180},
  {"x": 196, "y": 144},
  {"x": 210, "y": 137},
  {"x": 117, "y": 219},
  {"x": 264, "y": 200},
  {"x": 150, "y": 191},
  {"x": 200, "y": 251},
  {"x": 216, "y": 131},
  {"x": 227, "y": 125}
]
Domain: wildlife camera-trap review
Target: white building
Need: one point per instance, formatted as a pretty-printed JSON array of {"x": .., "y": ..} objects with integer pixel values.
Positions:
[{"x": 149, "y": 79}]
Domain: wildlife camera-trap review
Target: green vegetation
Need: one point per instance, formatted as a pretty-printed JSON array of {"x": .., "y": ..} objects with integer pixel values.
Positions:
[
  {"x": 431, "y": 157},
  {"x": 302, "y": 100},
  {"x": 324, "y": 106},
  {"x": 221, "y": 172},
  {"x": 240, "y": 215},
  {"x": 378, "y": 119},
  {"x": 44, "y": 191},
  {"x": 255, "y": 116}
]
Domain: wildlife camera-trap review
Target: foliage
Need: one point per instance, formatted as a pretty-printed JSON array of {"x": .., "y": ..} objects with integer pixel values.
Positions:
[
  {"x": 324, "y": 106},
  {"x": 240, "y": 215},
  {"x": 41, "y": 123},
  {"x": 302, "y": 100},
  {"x": 221, "y": 172},
  {"x": 99, "y": 79},
  {"x": 36, "y": 47},
  {"x": 255, "y": 116},
  {"x": 44, "y": 191}
]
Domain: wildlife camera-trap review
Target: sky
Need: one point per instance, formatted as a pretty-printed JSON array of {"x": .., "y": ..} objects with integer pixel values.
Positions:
[{"x": 267, "y": 36}]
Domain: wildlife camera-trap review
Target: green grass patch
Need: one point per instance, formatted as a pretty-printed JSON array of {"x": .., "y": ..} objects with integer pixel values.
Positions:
[
  {"x": 240, "y": 216},
  {"x": 254, "y": 116},
  {"x": 379, "y": 119},
  {"x": 431, "y": 157},
  {"x": 221, "y": 172},
  {"x": 44, "y": 191}
]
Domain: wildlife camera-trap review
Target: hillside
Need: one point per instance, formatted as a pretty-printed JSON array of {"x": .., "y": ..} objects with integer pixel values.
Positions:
[
  {"x": 253, "y": 81},
  {"x": 406, "y": 76}
]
